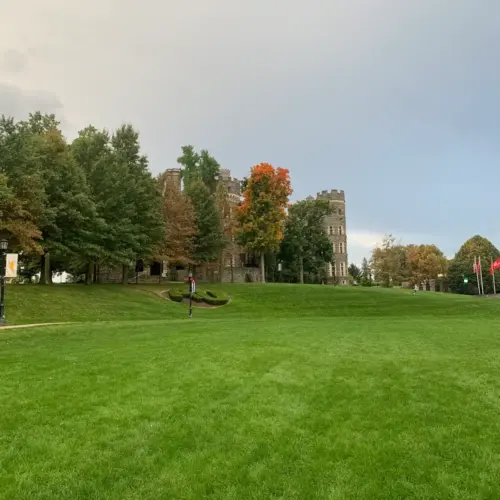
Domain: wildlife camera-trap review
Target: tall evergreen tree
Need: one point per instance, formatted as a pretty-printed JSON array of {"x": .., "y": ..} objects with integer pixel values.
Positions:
[
  {"x": 306, "y": 246},
  {"x": 208, "y": 239}
]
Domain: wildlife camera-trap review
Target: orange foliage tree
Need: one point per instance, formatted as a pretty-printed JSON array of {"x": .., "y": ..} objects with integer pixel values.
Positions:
[
  {"x": 179, "y": 226},
  {"x": 262, "y": 214},
  {"x": 426, "y": 262}
]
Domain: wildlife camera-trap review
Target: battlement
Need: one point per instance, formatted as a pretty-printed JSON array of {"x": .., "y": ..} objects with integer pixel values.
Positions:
[{"x": 334, "y": 194}]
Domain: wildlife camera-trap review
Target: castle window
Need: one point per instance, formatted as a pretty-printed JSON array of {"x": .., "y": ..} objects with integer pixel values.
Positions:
[
  {"x": 341, "y": 247},
  {"x": 341, "y": 230},
  {"x": 330, "y": 230},
  {"x": 342, "y": 269}
]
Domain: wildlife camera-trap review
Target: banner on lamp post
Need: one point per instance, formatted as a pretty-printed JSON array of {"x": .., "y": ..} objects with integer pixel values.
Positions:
[{"x": 11, "y": 265}]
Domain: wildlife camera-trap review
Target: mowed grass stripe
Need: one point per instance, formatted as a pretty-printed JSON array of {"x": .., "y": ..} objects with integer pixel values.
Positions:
[{"x": 307, "y": 406}]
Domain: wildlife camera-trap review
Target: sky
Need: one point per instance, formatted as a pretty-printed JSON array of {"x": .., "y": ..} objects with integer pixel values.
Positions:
[{"x": 395, "y": 102}]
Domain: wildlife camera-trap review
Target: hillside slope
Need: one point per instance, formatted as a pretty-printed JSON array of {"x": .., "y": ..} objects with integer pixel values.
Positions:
[{"x": 60, "y": 303}]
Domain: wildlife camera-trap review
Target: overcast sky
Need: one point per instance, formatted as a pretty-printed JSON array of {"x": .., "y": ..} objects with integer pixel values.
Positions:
[{"x": 395, "y": 101}]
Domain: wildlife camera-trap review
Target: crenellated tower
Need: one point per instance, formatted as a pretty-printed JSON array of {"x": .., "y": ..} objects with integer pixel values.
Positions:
[{"x": 335, "y": 227}]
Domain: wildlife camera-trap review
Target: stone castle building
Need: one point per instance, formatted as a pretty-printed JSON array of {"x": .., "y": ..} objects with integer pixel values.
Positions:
[
  {"x": 335, "y": 227},
  {"x": 236, "y": 265}
]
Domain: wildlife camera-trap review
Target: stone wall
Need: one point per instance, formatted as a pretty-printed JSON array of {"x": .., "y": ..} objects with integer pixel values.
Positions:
[{"x": 240, "y": 273}]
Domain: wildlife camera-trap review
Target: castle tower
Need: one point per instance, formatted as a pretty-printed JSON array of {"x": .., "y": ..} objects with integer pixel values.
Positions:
[
  {"x": 172, "y": 177},
  {"x": 335, "y": 227}
]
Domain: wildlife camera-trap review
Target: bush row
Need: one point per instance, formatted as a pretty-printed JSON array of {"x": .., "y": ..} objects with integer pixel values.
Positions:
[{"x": 208, "y": 296}]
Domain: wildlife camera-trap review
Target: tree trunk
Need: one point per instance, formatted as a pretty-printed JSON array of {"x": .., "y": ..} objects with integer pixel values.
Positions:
[
  {"x": 301, "y": 270},
  {"x": 45, "y": 269},
  {"x": 232, "y": 269},
  {"x": 124, "y": 274},
  {"x": 263, "y": 267},
  {"x": 88, "y": 277},
  {"x": 221, "y": 266}
]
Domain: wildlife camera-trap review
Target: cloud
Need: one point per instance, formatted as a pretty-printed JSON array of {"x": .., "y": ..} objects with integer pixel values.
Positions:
[
  {"x": 18, "y": 102},
  {"x": 13, "y": 61}
]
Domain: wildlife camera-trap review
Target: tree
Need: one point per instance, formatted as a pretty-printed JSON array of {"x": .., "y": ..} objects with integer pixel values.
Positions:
[
  {"x": 127, "y": 198},
  {"x": 199, "y": 166},
  {"x": 207, "y": 240},
  {"x": 228, "y": 221},
  {"x": 263, "y": 211},
  {"x": 305, "y": 245},
  {"x": 22, "y": 200},
  {"x": 390, "y": 262},
  {"x": 69, "y": 211},
  {"x": 461, "y": 266},
  {"x": 355, "y": 272},
  {"x": 426, "y": 262},
  {"x": 179, "y": 226},
  {"x": 366, "y": 273},
  {"x": 142, "y": 196}
]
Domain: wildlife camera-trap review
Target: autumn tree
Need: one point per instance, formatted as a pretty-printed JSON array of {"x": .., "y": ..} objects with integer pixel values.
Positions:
[
  {"x": 390, "y": 262},
  {"x": 305, "y": 245},
  {"x": 461, "y": 266},
  {"x": 426, "y": 262},
  {"x": 22, "y": 200},
  {"x": 263, "y": 211},
  {"x": 179, "y": 219}
]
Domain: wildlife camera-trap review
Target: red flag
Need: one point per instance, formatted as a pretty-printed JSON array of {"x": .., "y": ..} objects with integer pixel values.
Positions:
[
  {"x": 495, "y": 266},
  {"x": 476, "y": 266}
]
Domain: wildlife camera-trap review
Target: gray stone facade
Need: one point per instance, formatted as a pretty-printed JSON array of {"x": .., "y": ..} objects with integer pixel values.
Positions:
[{"x": 335, "y": 227}]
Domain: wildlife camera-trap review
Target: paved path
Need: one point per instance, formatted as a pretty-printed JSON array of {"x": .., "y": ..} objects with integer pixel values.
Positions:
[{"x": 11, "y": 327}]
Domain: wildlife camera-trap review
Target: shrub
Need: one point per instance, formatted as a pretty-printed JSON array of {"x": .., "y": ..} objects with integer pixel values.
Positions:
[
  {"x": 176, "y": 295},
  {"x": 216, "y": 299}
]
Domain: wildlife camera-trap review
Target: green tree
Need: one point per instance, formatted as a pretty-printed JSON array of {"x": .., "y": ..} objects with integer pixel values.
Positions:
[
  {"x": 207, "y": 242},
  {"x": 366, "y": 273},
  {"x": 355, "y": 272},
  {"x": 69, "y": 211},
  {"x": 141, "y": 193},
  {"x": 461, "y": 266},
  {"x": 126, "y": 196},
  {"x": 305, "y": 245},
  {"x": 199, "y": 166}
]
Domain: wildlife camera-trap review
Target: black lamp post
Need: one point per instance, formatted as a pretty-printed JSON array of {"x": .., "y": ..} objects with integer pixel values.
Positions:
[{"x": 3, "y": 251}]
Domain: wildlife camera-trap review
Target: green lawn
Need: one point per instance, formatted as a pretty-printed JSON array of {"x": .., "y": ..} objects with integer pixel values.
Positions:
[{"x": 289, "y": 392}]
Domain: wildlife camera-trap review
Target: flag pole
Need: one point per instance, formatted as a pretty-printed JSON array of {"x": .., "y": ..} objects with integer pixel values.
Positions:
[
  {"x": 474, "y": 267},
  {"x": 493, "y": 274},
  {"x": 481, "y": 274}
]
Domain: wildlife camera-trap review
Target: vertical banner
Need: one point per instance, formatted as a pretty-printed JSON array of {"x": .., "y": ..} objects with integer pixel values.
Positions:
[{"x": 11, "y": 265}]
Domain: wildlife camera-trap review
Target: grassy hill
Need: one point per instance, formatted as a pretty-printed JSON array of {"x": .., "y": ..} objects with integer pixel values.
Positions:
[
  {"x": 60, "y": 303},
  {"x": 293, "y": 392}
]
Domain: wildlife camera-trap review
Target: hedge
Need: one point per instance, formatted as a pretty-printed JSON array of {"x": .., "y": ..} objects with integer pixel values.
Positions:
[{"x": 208, "y": 296}]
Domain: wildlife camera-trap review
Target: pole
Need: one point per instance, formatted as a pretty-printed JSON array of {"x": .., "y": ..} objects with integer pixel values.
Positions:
[
  {"x": 493, "y": 274},
  {"x": 190, "y": 296},
  {"x": 2, "y": 288},
  {"x": 476, "y": 268},
  {"x": 481, "y": 274}
]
